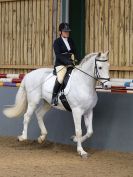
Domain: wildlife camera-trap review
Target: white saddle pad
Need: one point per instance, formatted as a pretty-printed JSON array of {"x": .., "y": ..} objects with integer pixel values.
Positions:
[{"x": 50, "y": 81}]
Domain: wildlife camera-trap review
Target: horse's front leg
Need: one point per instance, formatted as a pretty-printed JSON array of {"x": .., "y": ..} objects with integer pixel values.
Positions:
[
  {"x": 77, "y": 116},
  {"x": 88, "y": 117},
  {"x": 88, "y": 123}
]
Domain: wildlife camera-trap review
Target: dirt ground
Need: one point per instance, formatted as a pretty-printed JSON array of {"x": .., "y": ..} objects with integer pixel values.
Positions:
[{"x": 29, "y": 159}]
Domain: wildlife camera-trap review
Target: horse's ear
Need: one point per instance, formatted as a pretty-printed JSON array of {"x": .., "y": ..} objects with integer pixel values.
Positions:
[
  {"x": 106, "y": 54},
  {"x": 99, "y": 54}
]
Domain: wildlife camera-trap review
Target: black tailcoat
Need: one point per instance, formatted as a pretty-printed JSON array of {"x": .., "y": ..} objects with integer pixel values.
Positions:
[{"x": 63, "y": 56}]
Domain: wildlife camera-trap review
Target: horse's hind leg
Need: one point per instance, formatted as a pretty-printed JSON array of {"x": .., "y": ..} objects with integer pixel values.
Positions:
[
  {"x": 27, "y": 118},
  {"x": 40, "y": 112}
]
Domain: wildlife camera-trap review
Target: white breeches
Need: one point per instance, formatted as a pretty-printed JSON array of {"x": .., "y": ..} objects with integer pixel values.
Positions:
[{"x": 61, "y": 71}]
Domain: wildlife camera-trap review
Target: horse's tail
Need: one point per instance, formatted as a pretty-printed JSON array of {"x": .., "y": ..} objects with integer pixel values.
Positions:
[{"x": 20, "y": 103}]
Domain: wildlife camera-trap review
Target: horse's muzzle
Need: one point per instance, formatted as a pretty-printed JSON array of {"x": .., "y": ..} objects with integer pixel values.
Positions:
[{"x": 106, "y": 85}]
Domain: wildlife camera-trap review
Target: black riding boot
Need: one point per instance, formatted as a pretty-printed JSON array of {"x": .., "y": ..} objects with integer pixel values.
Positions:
[{"x": 57, "y": 86}]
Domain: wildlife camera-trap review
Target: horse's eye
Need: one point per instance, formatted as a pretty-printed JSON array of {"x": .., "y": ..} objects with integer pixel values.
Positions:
[{"x": 100, "y": 67}]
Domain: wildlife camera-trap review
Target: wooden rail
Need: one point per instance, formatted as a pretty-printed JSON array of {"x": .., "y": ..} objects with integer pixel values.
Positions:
[
  {"x": 112, "y": 68},
  {"x": 24, "y": 66},
  {"x": 121, "y": 68}
]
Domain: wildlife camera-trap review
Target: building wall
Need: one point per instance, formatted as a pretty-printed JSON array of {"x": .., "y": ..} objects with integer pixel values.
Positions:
[
  {"x": 27, "y": 31},
  {"x": 109, "y": 26}
]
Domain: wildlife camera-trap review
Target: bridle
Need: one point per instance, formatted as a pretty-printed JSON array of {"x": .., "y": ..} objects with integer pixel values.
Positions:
[{"x": 96, "y": 72}]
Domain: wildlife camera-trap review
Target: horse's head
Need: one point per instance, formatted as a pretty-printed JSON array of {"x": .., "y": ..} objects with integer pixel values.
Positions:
[
  {"x": 101, "y": 69},
  {"x": 96, "y": 66}
]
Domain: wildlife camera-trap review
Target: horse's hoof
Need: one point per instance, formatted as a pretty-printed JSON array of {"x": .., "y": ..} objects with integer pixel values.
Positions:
[
  {"x": 84, "y": 156},
  {"x": 73, "y": 138},
  {"x": 41, "y": 139},
  {"x": 20, "y": 139}
]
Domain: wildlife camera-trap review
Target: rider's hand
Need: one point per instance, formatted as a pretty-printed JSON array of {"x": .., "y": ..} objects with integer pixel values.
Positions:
[{"x": 72, "y": 57}]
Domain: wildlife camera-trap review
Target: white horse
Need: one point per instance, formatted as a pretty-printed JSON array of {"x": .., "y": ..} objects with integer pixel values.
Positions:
[{"x": 80, "y": 93}]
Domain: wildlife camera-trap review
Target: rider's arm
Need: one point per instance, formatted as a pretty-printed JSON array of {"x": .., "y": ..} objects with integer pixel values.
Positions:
[
  {"x": 75, "y": 51},
  {"x": 65, "y": 59}
]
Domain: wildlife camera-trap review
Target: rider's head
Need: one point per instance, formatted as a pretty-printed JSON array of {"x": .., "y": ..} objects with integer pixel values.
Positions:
[{"x": 64, "y": 30}]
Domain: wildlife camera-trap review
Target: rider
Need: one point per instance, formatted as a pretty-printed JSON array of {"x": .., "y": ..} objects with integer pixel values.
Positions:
[{"x": 64, "y": 49}]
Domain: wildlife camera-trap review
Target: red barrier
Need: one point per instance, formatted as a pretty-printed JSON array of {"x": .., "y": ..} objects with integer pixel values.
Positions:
[
  {"x": 21, "y": 76},
  {"x": 16, "y": 80},
  {"x": 3, "y": 75}
]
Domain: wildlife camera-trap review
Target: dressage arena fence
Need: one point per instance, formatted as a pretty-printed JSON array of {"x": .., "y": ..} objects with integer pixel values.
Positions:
[
  {"x": 117, "y": 85},
  {"x": 12, "y": 80}
]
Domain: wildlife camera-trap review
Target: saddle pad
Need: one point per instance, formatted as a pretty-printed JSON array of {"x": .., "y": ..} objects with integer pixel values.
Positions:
[{"x": 50, "y": 81}]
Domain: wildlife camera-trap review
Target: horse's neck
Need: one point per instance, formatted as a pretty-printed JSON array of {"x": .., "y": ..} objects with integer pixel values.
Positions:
[{"x": 88, "y": 68}]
